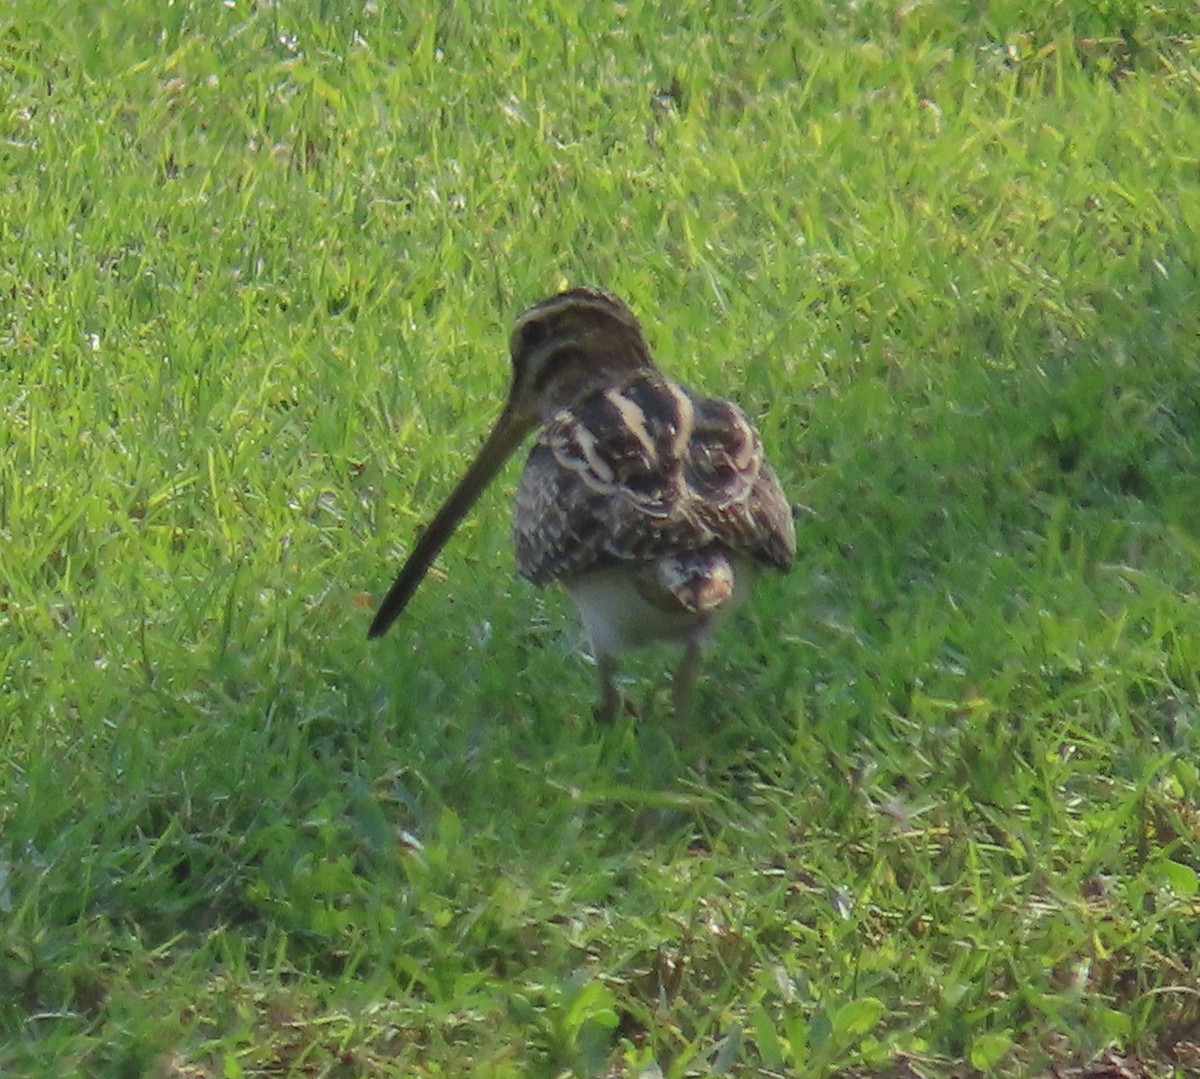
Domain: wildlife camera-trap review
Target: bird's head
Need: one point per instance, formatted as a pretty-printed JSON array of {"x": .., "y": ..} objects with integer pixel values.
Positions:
[{"x": 567, "y": 346}]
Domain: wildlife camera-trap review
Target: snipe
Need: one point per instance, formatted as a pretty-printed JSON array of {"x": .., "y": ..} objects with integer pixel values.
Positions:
[{"x": 653, "y": 506}]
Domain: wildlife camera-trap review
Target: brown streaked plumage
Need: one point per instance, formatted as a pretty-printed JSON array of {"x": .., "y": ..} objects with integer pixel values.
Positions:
[{"x": 653, "y": 506}]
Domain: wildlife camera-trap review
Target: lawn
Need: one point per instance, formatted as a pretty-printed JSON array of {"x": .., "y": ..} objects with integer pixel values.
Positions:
[{"x": 937, "y": 811}]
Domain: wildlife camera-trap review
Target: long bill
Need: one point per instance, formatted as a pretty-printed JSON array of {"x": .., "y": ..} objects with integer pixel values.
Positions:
[{"x": 505, "y": 436}]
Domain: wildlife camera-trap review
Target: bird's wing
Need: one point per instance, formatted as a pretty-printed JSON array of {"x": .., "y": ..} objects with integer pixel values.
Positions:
[
  {"x": 644, "y": 470},
  {"x": 732, "y": 489}
]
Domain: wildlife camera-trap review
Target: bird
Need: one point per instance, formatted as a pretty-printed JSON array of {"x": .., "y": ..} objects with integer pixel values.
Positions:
[{"x": 654, "y": 506}]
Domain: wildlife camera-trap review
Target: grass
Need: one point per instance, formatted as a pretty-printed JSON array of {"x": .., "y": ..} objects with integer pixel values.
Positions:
[{"x": 937, "y": 814}]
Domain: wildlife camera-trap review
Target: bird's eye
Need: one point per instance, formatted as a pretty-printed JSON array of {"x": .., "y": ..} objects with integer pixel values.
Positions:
[{"x": 533, "y": 335}]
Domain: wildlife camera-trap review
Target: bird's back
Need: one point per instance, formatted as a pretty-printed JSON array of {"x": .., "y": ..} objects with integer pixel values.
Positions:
[{"x": 644, "y": 470}]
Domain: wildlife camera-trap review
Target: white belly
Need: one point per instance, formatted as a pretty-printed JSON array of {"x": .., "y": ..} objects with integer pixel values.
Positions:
[{"x": 617, "y": 616}]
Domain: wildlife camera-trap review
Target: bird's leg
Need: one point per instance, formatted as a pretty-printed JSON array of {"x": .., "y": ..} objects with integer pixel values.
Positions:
[
  {"x": 688, "y": 671},
  {"x": 610, "y": 696}
]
